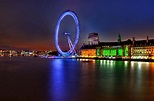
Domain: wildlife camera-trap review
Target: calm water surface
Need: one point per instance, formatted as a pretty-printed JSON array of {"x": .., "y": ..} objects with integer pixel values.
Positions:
[{"x": 36, "y": 79}]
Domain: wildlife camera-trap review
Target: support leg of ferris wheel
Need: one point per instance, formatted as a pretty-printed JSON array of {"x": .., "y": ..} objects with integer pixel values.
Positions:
[{"x": 70, "y": 44}]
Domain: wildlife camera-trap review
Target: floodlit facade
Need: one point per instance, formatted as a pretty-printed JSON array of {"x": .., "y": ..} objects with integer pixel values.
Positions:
[
  {"x": 88, "y": 53},
  {"x": 143, "y": 49},
  {"x": 114, "y": 51},
  {"x": 130, "y": 49}
]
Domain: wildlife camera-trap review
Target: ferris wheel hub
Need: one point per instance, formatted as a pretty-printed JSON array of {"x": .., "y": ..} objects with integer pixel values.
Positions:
[{"x": 67, "y": 33}]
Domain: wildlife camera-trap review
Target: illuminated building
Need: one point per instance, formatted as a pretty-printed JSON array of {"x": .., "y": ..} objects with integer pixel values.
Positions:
[
  {"x": 107, "y": 49},
  {"x": 27, "y": 53},
  {"x": 1, "y": 52},
  {"x": 135, "y": 49},
  {"x": 13, "y": 53},
  {"x": 119, "y": 49},
  {"x": 93, "y": 39},
  {"x": 88, "y": 51},
  {"x": 114, "y": 49},
  {"x": 142, "y": 49}
]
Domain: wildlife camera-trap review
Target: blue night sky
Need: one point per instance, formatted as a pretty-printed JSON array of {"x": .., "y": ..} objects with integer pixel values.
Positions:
[{"x": 31, "y": 23}]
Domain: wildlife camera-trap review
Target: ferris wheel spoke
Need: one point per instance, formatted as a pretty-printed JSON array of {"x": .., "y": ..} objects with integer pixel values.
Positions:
[{"x": 70, "y": 44}]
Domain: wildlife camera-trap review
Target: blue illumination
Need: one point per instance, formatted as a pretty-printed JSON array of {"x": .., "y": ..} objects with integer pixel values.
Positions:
[
  {"x": 57, "y": 80},
  {"x": 57, "y": 31}
]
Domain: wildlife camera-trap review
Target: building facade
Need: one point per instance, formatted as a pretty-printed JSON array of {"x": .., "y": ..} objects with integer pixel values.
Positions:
[
  {"x": 130, "y": 49},
  {"x": 93, "y": 39},
  {"x": 142, "y": 49}
]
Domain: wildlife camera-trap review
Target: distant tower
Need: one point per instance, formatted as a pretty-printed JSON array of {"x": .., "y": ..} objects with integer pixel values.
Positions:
[
  {"x": 147, "y": 40},
  {"x": 133, "y": 41},
  {"x": 119, "y": 38},
  {"x": 93, "y": 39}
]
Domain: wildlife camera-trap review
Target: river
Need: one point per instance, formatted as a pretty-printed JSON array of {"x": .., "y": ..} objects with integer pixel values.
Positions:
[{"x": 41, "y": 79}]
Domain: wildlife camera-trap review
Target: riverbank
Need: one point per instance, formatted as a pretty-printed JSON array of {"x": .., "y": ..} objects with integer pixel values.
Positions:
[{"x": 118, "y": 59}]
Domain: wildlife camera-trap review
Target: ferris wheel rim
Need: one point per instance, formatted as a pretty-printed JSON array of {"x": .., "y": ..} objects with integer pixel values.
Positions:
[{"x": 75, "y": 18}]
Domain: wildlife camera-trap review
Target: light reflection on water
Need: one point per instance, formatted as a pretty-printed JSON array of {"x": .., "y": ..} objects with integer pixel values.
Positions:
[
  {"x": 57, "y": 79},
  {"x": 35, "y": 79},
  {"x": 101, "y": 80},
  {"x": 63, "y": 79}
]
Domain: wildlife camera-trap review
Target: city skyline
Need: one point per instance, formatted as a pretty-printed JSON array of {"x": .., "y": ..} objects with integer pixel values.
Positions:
[{"x": 31, "y": 24}]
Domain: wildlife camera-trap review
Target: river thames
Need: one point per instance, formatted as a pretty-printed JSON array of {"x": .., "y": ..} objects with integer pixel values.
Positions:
[{"x": 41, "y": 79}]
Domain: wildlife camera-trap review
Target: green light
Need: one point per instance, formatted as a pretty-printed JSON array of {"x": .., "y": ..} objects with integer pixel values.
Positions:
[
  {"x": 106, "y": 52},
  {"x": 109, "y": 52},
  {"x": 126, "y": 51},
  {"x": 120, "y": 52},
  {"x": 113, "y": 52},
  {"x": 98, "y": 52}
]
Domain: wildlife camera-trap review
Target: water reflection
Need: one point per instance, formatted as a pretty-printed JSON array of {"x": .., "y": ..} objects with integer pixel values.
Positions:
[
  {"x": 107, "y": 63},
  {"x": 57, "y": 80},
  {"x": 83, "y": 80},
  {"x": 36, "y": 79},
  {"x": 63, "y": 79}
]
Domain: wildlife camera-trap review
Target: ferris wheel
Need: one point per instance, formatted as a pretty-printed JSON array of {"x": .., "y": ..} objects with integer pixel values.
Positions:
[{"x": 71, "y": 45}]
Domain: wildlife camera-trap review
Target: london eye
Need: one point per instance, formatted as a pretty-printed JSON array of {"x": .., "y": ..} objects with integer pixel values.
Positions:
[{"x": 71, "y": 44}]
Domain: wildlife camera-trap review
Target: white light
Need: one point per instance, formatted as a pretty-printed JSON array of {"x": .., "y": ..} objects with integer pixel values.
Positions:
[
  {"x": 132, "y": 63},
  {"x": 139, "y": 64},
  {"x": 101, "y": 62}
]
